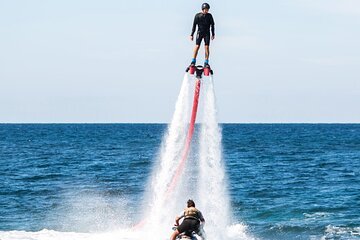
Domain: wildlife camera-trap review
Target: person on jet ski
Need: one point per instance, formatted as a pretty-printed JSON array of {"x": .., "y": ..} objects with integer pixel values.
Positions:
[
  {"x": 193, "y": 222},
  {"x": 204, "y": 22}
]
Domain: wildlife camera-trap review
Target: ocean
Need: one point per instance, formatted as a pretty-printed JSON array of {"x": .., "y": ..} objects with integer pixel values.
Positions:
[{"x": 93, "y": 181}]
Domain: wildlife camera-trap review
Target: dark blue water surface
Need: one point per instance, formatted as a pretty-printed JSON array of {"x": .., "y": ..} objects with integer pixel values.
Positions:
[{"x": 286, "y": 181}]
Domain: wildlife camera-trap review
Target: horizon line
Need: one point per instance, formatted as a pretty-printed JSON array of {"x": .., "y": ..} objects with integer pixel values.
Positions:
[{"x": 3, "y": 123}]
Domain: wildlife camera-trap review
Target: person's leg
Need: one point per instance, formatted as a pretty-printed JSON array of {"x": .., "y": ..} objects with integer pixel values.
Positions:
[
  {"x": 207, "y": 49},
  {"x": 196, "y": 50},
  {"x": 174, "y": 235},
  {"x": 198, "y": 40},
  {"x": 207, "y": 52}
]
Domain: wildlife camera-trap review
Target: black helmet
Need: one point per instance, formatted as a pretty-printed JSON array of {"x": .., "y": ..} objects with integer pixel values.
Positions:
[{"x": 205, "y": 6}]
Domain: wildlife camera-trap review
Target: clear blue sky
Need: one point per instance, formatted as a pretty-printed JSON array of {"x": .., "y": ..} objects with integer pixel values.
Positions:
[{"x": 123, "y": 61}]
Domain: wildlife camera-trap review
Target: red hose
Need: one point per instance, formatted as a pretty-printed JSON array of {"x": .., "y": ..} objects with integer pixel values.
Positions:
[{"x": 181, "y": 166}]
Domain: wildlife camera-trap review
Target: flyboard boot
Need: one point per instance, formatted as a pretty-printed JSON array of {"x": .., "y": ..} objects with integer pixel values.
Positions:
[
  {"x": 207, "y": 68},
  {"x": 191, "y": 68}
]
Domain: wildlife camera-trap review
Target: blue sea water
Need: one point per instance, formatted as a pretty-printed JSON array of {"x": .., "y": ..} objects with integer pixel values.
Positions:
[{"x": 286, "y": 181}]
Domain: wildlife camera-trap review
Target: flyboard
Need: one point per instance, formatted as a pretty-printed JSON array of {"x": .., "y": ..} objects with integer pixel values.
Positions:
[{"x": 198, "y": 71}]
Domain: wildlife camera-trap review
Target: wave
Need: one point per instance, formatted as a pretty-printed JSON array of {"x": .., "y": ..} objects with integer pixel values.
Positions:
[
  {"x": 341, "y": 232},
  {"x": 233, "y": 232}
]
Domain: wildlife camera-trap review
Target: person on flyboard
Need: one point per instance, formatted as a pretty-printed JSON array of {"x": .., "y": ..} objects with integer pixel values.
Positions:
[
  {"x": 193, "y": 222},
  {"x": 204, "y": 21}
]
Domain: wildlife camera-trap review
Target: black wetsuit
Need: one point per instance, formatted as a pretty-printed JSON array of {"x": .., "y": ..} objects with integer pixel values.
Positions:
[{"x": 204, "y": 22}]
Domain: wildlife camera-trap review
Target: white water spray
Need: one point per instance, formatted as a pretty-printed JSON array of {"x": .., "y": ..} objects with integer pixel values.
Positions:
[
  {"x": 205, "y": 180},
  {"x": 162, "y": 211},
  {"x": 206, "y": 168},
  {"x": 213, "y": 196}
]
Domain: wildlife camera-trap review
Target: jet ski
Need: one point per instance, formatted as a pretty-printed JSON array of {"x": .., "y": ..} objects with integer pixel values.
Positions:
[{"x": 188, "y": 235}]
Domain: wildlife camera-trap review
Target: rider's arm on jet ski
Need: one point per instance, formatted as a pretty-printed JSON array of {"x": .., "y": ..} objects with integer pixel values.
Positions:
[
  {"x": 202, "y": 219},
  {"x": 177, "y": 219}
]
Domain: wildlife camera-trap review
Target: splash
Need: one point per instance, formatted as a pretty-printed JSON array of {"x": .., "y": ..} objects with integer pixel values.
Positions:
[
  {"x": 161, "y": 210},
  {"x": 203, "y": 179},
  {"x": 212, "y": 188}
]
